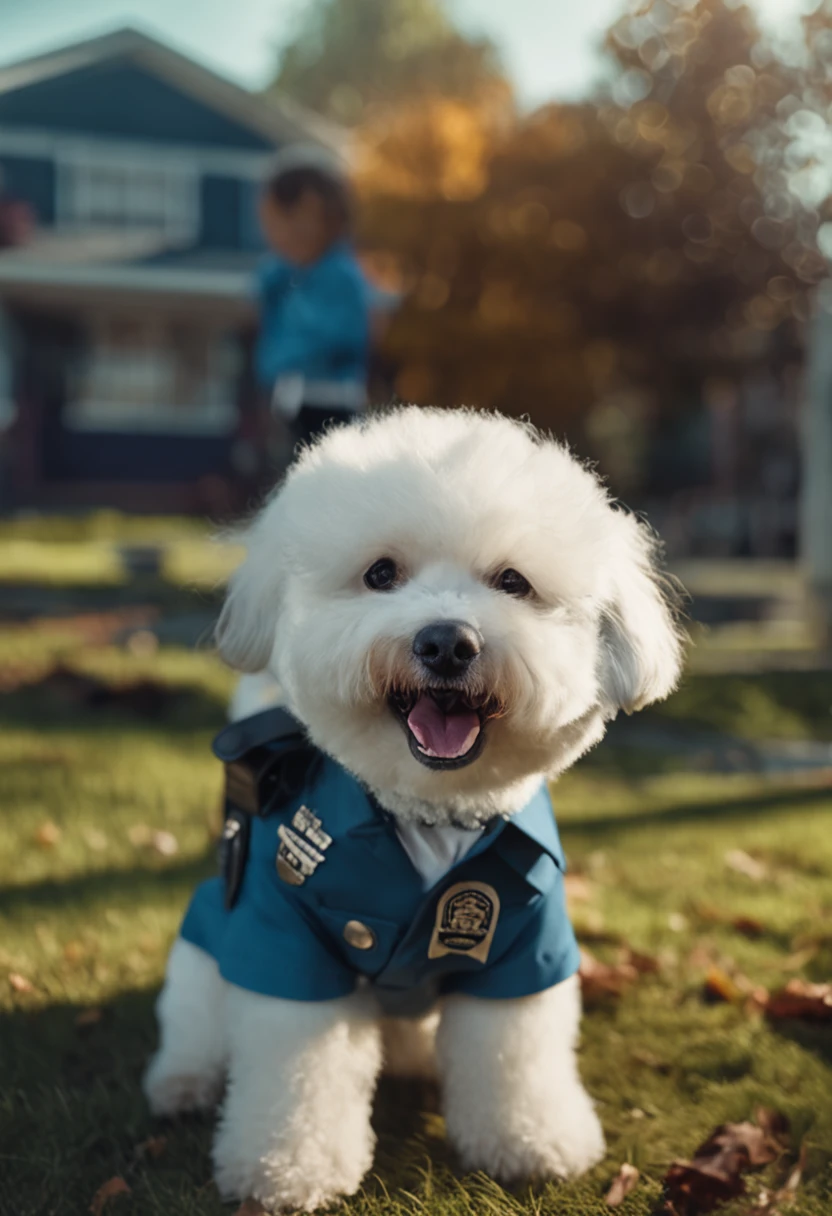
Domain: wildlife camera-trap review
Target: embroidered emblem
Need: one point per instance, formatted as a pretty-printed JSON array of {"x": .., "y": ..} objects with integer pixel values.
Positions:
[
  {"x": 466, "y": 917},
  {"x": 302, "y": 847}
]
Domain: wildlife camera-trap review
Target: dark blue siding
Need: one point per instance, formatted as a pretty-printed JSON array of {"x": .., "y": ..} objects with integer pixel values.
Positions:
[
  {"x": 33, "y": 180},
  {"x": 220, "y": 212},
  {"x": 121, "y": 457},
  {"x": 118, "y": 98}
]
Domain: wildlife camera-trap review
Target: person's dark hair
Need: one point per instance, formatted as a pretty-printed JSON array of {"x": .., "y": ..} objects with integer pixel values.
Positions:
[{"x": 287, "y": 186}]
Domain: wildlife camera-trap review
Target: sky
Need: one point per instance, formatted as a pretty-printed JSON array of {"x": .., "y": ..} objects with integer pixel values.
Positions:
[{"x": 549, "y": 46}]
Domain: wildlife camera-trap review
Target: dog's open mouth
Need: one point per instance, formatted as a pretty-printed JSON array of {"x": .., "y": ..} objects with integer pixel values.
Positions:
[{"x": 445, "y": 727}]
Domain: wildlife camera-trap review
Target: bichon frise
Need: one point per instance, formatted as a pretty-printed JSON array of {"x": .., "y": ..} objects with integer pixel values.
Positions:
[{"x": 453, "y": 609}]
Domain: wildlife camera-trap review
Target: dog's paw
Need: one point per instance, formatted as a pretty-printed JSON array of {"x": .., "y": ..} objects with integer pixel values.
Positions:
[
  {"x": 284, "y": 1184},
  {"x": 169, "y": 1092},
  {"x": 544, "y": 1150}
]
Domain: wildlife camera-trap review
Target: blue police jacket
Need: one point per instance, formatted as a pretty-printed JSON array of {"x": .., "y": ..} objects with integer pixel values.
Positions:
[
  {"x": 314, "y": 320},
  {"x": 329, "y": 895}
]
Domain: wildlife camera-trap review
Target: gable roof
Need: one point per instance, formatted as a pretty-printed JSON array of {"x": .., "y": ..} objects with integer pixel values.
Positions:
[{"x": 278, "y": 120}]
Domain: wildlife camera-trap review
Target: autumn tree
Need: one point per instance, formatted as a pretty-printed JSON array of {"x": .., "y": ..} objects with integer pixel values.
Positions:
[
  {"x": 649, "y": 240},
  {"x": 424, "y": 102}
]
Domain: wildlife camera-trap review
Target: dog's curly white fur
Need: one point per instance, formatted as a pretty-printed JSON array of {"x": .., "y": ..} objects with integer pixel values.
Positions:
[{"x": 453, "y": 498}]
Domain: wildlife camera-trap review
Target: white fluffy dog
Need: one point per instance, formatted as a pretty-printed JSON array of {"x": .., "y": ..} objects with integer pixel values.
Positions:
[{"x": 453, "y": 609}]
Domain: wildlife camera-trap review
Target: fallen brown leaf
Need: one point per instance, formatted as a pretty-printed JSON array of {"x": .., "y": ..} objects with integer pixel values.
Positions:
[
  {"x": 48, "y": 835},
  {"x": 74, "y": 951},
  {"x": 600, "y": 981},
  {"x": 715, "y": 1173},
  {"x": 164, "y": 843},
  {"x": 773, "y": 1122},
  {"x": 88, "y": 1017},
  {"x": 153, "y": 1147},
  {"x": 743, "y": 863},
  {"x": 719, "y": 986},
  {"x": 251, "y": 1207},
  {"x": 772, "y": 1203},
  {"x": 748, "y": 926},
  {"x": 622, "y": 1184},
  {"x": 645, "y": 964},
  {"x": 578, "y": 888},
  {"x": 803, "y": 1000},
  {"x": 19, "y": 982},
  {"x": 108, "y": 1190}
]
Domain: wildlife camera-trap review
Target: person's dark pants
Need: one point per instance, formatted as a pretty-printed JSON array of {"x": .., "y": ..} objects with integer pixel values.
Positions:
[{"x": 312, "y": 420}]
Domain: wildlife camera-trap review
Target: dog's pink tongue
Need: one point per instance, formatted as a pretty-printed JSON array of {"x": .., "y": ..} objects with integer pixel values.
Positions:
[{"x": 443, "y": 735}]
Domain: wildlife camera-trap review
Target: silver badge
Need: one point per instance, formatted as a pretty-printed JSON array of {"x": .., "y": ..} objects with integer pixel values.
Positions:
[{"x": 302, "y": 847}]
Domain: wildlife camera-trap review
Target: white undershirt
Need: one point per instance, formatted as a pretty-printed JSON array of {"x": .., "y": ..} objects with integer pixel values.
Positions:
[{"x": 435, "y": 849}]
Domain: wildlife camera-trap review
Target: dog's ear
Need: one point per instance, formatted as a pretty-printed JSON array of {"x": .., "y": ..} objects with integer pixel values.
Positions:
[
  {"x": 641, "y": 641},
  {"x": 245, "y": 631}
]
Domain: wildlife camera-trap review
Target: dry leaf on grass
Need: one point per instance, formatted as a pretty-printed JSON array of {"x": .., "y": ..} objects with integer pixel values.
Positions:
[
  {"x": 48, "y": 835},
  {"x": 19, "y": 982},
  {"x": 153, "y": 1147},
  {"x": 164, "y": 843},
  {"x": 88, "y": 1017},
  {"x": 748, "y": 926},
  {"x": 715, "y": 1173},
  {"x": 600, "y": 981},
  {"x": 251, "y": 1207},
  {"x": 719, "y": 986},
  {"x": 160, "y": 841},
  {"x": 743, "y": 863},
  {"x": 578, "y": 888},
  {"x": 108, "y": 1190},
  {"x": 773, "y": 1203},
  {"x": 801, "y": 999},
  {"x": 622, "y": 1184},
  {"x": 645, "y": 964}
]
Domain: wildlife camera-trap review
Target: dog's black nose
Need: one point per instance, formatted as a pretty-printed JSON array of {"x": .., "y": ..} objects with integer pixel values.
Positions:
[{"x": 447, "y": 648}]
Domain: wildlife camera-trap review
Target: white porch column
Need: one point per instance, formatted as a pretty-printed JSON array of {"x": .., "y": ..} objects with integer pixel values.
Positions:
[{"x": 816, "y": 480}]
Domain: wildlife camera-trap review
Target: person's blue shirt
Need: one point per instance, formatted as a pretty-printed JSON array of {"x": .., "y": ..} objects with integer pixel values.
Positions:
[
  {"x": 329, "y": 896},
  {"x": 314, "y": 319}
]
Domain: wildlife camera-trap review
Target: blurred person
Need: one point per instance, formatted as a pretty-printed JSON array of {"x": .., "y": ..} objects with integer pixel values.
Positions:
[{"x": 313, "y": 348}]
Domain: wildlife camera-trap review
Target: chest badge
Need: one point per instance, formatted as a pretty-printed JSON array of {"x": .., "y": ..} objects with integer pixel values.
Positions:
[
  {"x": 466, "y": 918},
  {"x": 302, "y": 847}
]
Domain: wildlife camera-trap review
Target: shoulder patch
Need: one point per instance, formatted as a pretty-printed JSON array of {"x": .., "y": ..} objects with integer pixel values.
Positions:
[{"x": 466, "y": 918}]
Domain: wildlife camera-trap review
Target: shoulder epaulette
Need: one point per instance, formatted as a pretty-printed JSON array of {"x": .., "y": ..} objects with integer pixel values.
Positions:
[
  {"x": 267, "y": 759},
  {"x": 264, "y": 756}
]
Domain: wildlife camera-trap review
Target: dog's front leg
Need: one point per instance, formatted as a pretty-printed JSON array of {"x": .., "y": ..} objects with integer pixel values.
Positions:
[
  {"x": 514, "y": 1103},
  {"x": 187, "y": 1071},
  {"x": 295, "y": 1128}
]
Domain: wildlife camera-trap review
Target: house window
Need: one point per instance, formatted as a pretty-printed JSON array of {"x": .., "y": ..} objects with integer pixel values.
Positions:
[
  {"x": 153, "y": 377},
  {"x": 98, "y": 192}
]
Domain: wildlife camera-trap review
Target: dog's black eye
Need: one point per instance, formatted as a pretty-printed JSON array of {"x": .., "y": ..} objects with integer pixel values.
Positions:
[
  {"x": 382, "y": 575},
  {"x": 513, "y": 583}
]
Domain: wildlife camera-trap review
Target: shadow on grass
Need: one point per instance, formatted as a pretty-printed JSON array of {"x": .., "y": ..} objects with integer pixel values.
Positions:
[
  {"x": 724, "y": 808},
  {"x": 72, "y": 1116},
  {"x": 175, "y": 708},
  {"x": 136, "y": 882}
]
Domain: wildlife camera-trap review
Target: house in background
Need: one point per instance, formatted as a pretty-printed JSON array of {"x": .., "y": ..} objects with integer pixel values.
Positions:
[{"x": 128, "y": 187}]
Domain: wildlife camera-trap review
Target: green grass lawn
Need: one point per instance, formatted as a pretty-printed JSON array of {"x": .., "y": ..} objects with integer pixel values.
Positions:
[{"x": 92, "y": 896}]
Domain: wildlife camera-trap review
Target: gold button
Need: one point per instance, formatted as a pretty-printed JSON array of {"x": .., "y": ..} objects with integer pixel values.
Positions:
[{"x": 359, "y": 935}]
